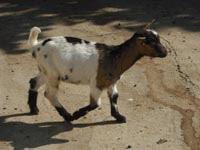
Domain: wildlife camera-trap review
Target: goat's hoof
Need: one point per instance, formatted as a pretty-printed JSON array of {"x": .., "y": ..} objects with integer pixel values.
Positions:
[
  {"x": 34, "y": 111},
  {"x": 77, "y": 114},
  {"x": 120, "y": 119},
  {"x": 68, "y": 121},
  {"x": 68, "y": 118}
]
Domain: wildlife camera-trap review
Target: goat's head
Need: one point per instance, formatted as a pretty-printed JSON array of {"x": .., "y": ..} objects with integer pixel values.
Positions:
[{"x": 148, "y": 42}]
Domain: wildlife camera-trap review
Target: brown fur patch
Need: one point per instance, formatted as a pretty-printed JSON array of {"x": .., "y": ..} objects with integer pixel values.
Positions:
[
  {"x": 114, "y": 61},
  {"x": 145, "y": 49}
]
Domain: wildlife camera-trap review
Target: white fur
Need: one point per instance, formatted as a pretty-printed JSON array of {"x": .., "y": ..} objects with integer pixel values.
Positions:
[
  {"x": 32, "y": 40},
  {"x": 63, "y": 56},
  {"x": 153, "y": 31},
  {"x": 59, "y": 58}
]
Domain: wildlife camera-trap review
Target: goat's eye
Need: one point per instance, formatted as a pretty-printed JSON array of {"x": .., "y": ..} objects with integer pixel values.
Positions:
[{"x": 149, "y": 40}]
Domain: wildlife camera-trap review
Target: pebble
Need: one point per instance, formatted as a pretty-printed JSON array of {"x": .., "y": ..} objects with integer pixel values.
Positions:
[
  {"x": 130, "y": 99},
  {"x": 128, "y": 147},
  {"x": 161, "y": 141}
]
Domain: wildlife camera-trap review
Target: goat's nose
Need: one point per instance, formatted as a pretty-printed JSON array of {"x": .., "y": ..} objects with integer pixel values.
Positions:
[{"x": 163, "y": 53}]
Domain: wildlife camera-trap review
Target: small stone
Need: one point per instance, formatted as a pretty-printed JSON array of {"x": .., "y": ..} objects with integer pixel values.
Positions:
[
  {"x": 183, "y": 41},
  {"x": 161, "y": 141},
  {"x": 135, "y": 85},
  {"x": 15, "y": 108},
  {"x": 128, "y": 147},
  {"x": 4, "y": 108},
  {"x": 130, "y": 99}
]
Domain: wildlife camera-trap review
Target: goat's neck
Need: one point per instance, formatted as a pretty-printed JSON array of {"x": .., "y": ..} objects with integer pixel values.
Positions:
[{"x": 128, "y": 55}]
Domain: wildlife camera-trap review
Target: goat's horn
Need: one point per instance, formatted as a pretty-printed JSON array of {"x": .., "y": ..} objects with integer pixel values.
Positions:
[{"x": 149, "y": 24}]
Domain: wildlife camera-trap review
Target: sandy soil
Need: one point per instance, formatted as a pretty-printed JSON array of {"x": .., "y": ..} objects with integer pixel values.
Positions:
[{"x": 159, "y": 97}]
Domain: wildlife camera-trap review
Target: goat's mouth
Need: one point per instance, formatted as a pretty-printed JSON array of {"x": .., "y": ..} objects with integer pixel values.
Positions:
[
  {"x": 162, "y": 55},
  {"x": 161, "y": 52}
]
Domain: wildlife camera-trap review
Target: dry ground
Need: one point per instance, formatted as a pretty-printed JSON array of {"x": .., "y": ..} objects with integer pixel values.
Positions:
[{"x": 160, "y": 97}]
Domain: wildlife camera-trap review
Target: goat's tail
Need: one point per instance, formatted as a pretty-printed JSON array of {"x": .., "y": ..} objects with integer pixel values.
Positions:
[{"x": 33, "y": 36}]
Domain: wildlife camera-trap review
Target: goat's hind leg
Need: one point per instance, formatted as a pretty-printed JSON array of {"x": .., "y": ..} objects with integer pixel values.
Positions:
[
  {"x": 51, "y": 95},
  {"x": 94, "y": 103},
  {"x": 113, "y": 96},
  {"x": 35, "y": 84}
]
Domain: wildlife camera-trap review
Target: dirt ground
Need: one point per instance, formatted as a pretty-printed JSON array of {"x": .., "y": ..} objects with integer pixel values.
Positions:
[{"x": 159, "y": 97}]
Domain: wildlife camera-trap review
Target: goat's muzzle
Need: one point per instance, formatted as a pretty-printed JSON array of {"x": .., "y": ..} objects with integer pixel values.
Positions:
[{"x": 161, "y": 51}]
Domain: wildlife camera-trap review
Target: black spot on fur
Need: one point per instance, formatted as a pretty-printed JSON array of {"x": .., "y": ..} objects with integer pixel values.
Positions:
[
  {"x": 45, "y": 41},
  {"x": 33, "y": 54},
  {"x": 74, "y": 40},
  {"x": 33, "y": 83},
  {"x": 45, "y": 56},
  {"x": 66, "y": 77}
]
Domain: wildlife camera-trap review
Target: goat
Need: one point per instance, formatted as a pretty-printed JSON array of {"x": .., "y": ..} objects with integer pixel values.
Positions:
[{"x": 79, "y": 61}]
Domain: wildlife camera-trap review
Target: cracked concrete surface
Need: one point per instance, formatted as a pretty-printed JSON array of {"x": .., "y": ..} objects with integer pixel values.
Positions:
[{"x": 159, "y": 97}]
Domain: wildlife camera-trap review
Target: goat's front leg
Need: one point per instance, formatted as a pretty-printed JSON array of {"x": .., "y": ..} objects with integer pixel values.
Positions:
[
  {"x": 95, "y": 102},
  {"x": 51, "y": 95},
  {"x": 113, "y": 96},
  {"x": 35, "y": 84}
]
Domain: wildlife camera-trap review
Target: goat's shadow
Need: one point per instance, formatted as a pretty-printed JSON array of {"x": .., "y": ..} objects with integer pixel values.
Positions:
[{"x": 32, "y": 135}]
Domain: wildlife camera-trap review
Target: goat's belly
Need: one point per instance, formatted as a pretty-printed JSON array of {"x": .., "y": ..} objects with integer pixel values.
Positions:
[{"x": 79, "y": 77}]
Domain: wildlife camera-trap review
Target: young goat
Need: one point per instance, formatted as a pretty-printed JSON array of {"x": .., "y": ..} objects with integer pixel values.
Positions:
[{"x": 78, "y": 61}]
